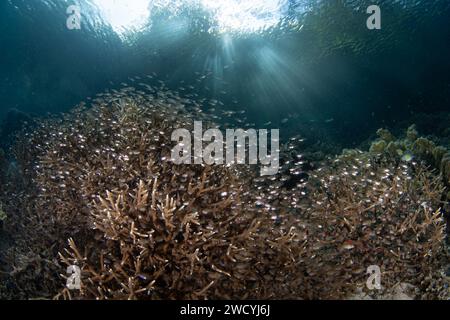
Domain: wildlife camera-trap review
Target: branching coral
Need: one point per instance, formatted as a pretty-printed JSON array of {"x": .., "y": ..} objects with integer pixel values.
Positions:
[
  {"x": 368, "y": 210},
  {"x": 362, "y": 209},
  {"x": 154, "y": 246},
  {"x": 147, "y": 228},
  {"x": 98, "y": 190}
]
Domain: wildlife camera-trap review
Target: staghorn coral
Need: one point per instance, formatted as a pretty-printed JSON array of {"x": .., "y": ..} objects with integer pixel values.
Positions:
[
  {"x": 369, "y": 210},
  {"x": 147, "y": 228},
  {"x": 153, "y": 246},
  {"x": 361, "y": 209},
  {"x": 97, "y": 190}
]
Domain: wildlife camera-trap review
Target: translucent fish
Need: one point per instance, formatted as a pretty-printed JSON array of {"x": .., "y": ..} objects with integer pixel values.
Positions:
[{"x": 407, "y": 156}]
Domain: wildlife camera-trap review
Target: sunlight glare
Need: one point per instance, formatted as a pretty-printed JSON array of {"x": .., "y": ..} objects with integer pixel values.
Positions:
[
  {"x": 246, "y": 15},
  {"x": 242, "y": 16},
  {"x": 123, "y": 15}
]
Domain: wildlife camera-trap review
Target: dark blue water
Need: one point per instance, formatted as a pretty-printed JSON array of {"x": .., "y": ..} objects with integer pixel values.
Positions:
[{"x": 334, "y": 77}]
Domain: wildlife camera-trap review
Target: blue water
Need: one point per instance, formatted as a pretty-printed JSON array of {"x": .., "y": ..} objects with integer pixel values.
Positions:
[{"x": 320, "y": 67}]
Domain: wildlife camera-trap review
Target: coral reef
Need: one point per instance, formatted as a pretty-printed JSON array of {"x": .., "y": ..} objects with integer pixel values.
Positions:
[
  {"x": 97, "y": 189},
  {"x": 378, "y": 146},
  {"x": 421, "y": 147},
  {"x": 435, "y": 124},
  {"x": 369, "y": 210},
  {"x": 146, "y": 228},
  {"x": 154, "y": 246},
  {"x": 361, "y": 209}
]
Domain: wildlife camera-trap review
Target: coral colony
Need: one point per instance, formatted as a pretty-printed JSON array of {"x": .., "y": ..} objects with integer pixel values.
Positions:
[{"x": 96, "y": 189}]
